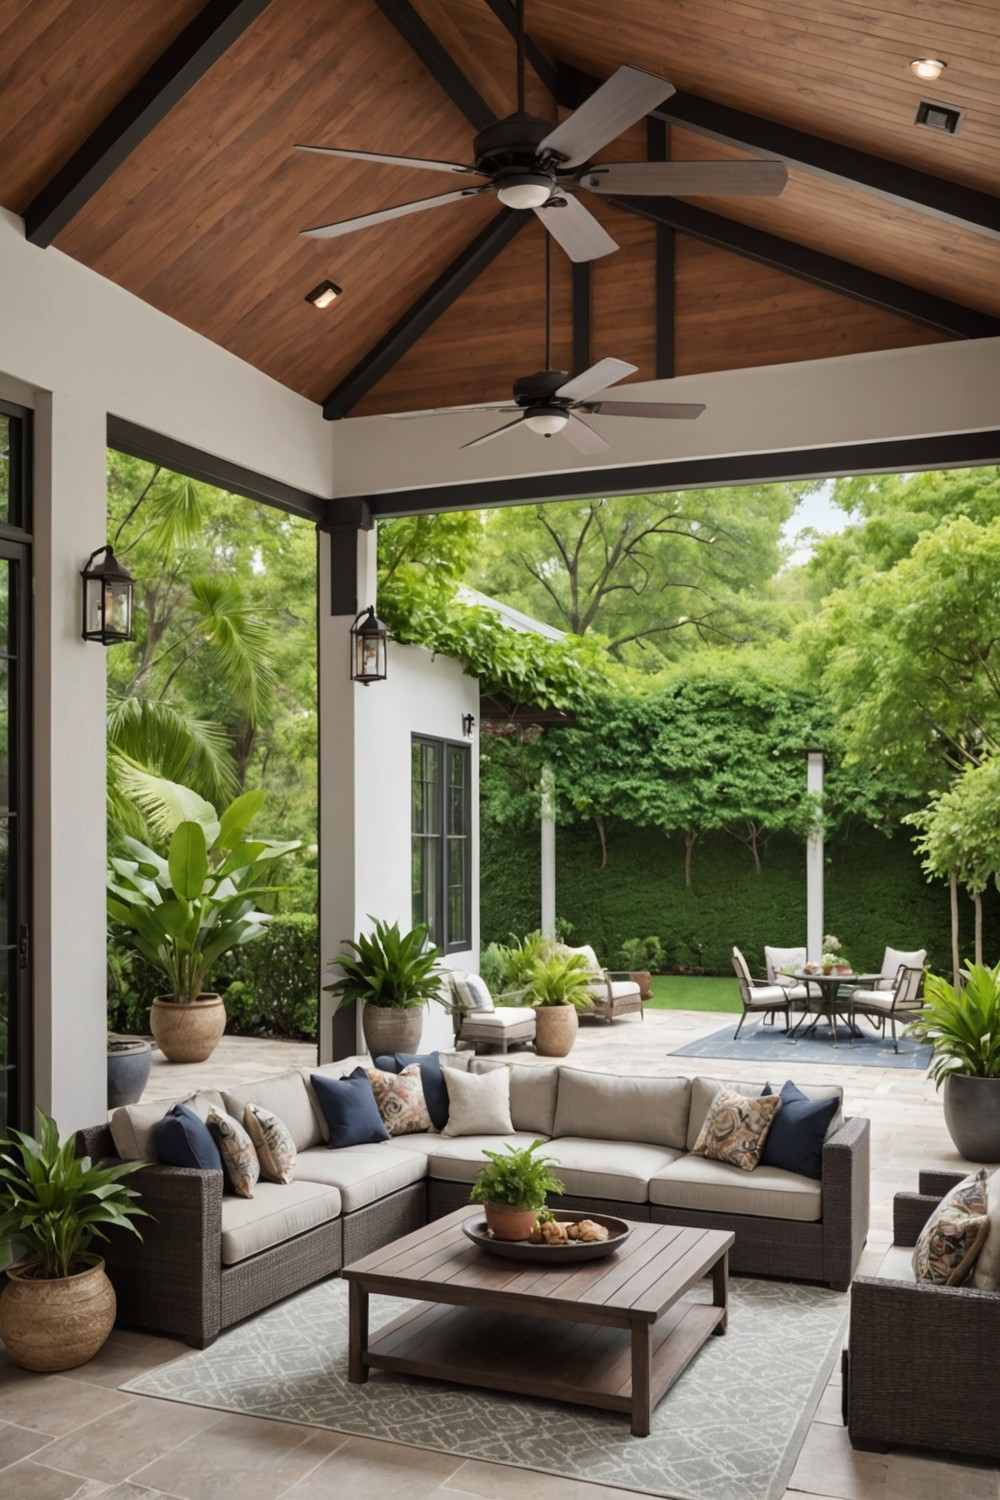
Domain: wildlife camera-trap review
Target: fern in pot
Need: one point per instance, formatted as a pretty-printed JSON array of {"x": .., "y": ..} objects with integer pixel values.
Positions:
[
  {"x": 392, "y": 975},
  {"x": 513, "y": 1188},
  {"x": 962, "y": 1026}
]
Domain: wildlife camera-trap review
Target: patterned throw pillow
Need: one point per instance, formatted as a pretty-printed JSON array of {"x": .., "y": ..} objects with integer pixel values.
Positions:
[
  {"x": 953, "y": 1236},
  {"x": 240, "y": 1165},
  {"x": 735, "y": 1129},
  {"x": 272, "y": 1142},
  {"x": 471, "y": 992},
  {"x": 400, "y": 1100}
]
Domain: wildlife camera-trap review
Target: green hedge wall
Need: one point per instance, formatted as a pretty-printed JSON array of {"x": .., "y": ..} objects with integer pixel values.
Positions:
[{"x": 876, "y": 895}]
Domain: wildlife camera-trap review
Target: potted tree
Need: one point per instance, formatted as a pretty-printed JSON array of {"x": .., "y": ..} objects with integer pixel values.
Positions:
[
  {"x": 185, "y": 912},
  {"x": 58, "y": 1306},
  {"x": 513, "y": 1188},
  {"x": 962, "y": 1025},
  {"x": 558, "y": 988},
  {"x": 393, "y": 975},
  {"x": 639, "y": 957}
]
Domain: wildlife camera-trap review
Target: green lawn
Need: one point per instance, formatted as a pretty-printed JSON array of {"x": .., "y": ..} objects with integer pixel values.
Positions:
[{"x": 694, "y": 992}]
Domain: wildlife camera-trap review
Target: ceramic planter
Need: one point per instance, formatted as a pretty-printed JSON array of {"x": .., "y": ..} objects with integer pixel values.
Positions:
[
  {"x": 972, "y": 1115},
  {"x": 56, "y": 1323},
  {"x": 187, "y": 1032},
  {"x": 510, "y": 1223},
  {"x": 644, "y": 979},
  {"x": 389, "y": 1029},
  {"x": 556, "y": 1027},
  {"x": 129, "y": 1062}
]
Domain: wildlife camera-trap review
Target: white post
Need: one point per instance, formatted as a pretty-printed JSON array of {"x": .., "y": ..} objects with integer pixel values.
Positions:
[
  {"x": 548, "y": 852},
  {"x": 814, "y": 863}
]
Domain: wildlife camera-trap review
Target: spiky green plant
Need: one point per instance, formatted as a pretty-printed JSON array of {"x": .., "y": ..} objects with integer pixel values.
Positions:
[
  {"x": 962, "y": 1025},
  {"x": 560, "y": 979},
  {"x": 515, "y": 1178},
  {"x": 389, "y": 969}
]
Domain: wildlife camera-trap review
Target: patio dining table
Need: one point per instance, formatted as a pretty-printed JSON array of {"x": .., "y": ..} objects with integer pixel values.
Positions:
[{"x": 834, "y": 1001}]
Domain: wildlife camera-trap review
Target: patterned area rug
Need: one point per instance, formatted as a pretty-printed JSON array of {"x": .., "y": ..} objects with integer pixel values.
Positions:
[
  {"x": 729, "y": 1429},
  {"x": 762, "y": 1043}
]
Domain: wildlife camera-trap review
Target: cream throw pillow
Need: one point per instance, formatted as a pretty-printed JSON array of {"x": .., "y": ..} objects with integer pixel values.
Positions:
[{"x": 478, "y": 1103}]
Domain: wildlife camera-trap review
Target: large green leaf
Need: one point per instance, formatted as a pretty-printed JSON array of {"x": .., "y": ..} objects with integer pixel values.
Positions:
[
  {"x": 188, "y": 861},
  {"x": 237, "y": 818}
]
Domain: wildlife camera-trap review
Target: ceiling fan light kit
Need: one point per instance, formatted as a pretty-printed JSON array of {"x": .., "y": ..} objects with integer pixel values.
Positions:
[{"x": 547, "y": 420}]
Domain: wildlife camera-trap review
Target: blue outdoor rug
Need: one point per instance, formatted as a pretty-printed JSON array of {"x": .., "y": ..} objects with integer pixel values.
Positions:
[{"x": 760, "y": 1043}]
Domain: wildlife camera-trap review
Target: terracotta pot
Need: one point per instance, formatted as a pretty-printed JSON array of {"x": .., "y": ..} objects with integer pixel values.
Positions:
[
  {"x": 187, "y": 1032},
  {"x": 510, "y": 1223},
  {"x": 644, "y": 979},
  {"x": 827, "y": 968},
  {"x": 56, "y": 1324},
  {"x": 556, "y": 1027},
  {"x": 388, "y": 1029}
]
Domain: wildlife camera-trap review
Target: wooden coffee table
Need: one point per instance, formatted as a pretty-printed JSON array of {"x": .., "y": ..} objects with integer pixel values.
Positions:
[{"x": 623, "y": 1335}]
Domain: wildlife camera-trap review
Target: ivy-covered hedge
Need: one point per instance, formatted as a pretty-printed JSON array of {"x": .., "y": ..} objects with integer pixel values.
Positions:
[
  {"x": 270, "y": 986},
  {"x": 875, "y": 895}
]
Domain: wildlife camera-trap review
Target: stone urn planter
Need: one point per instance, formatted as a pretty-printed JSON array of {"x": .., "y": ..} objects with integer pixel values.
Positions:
[
  {"x": 188, "y": 1031},
  {"x": 391, "y": 1028},
  {"x": 56, "y": 1323},
  {"x": 644, "y": 979},
  {"x": 129, "y": 1061},
  {"x": 972, "y": 1115},
  {"x": 556, "y": 1027}
]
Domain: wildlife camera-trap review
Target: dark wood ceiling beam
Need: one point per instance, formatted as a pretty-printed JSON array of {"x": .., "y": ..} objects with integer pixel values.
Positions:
[
  {"x": 967, "y": 208},
  {"x": 188, "y": 58},
  {"x": 823, "y": 270},
  {"x": 425, "y": 311},
  {"x": 546, "y": 72},
  {"x": 438, "y": 61}
]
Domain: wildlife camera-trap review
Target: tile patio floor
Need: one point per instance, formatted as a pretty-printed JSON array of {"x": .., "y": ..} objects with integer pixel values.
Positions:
[{"x": 76, "y": 1435}]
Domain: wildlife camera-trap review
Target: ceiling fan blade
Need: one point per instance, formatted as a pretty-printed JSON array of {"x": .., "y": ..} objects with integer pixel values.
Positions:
[
  {"x": 688, "y": 179},
  {"x": 625, "y": 98},
  {"x": 685, "y": 411},
  {"x": 348, "y": 226},
  {"x": 449, "y": 411},
  {"x": 606, "y": 372},
  {"x": 488, "y": 437},
  {"x": 574, "y": 228},
  {"x": 393, "y": 161},
  {"x": 584, "y": 438}
]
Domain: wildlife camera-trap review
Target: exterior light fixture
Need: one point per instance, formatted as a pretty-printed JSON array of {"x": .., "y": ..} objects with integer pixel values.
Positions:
[
  {"x": 368, "y": 648},
  {"x": 107, "y": 599},
  {"x": 547, "y": 421},
  {"x": 927, "y": 68},
  {"x": 324, "y": 294},
  {"x": 468, "y": 724}
]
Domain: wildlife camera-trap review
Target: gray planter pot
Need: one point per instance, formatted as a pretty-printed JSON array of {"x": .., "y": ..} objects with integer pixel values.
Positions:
[
  {"x": 972, "y": 1115},
  {"x": 128, "y": 1072},
  {"x": 390, "y": 1030}
]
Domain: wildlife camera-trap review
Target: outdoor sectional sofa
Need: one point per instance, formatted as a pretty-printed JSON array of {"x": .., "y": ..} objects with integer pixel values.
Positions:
[{"x": 622, "y": 1144}]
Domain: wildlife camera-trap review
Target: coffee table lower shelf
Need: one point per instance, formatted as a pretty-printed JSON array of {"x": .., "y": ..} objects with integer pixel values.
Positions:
[{"x": 584, "y": 1363}]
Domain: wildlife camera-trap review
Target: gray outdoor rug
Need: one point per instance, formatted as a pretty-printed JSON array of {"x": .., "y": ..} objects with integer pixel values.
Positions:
[
  {"x": 729, "y": 1429},
  {"x": 760, "y": 1043}
]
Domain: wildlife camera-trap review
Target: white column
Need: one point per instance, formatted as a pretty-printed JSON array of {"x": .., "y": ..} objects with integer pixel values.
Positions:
[
  {"x": 548, "y": 852},
  {"x": 70, "y": 919},
  {"x": 814, "y": 863}
]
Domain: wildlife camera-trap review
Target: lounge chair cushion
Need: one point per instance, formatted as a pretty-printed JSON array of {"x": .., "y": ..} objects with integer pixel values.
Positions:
[
  {"x": 612, "y": 1107},
  {"x": 694, "y": 1182},
  {"x": 277, "y": 1212}
]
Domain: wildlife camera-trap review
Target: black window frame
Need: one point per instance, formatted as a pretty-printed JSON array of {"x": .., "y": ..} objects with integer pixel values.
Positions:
[{"x": 463, "y": 751}]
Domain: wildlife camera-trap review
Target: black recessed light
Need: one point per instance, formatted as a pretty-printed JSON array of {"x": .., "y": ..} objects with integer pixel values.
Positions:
[
  {"x": 944, "y": 118},
  {"x": 324, "y": 294}
]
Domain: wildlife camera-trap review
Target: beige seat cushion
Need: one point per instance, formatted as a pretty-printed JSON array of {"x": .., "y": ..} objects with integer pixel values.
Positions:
[
  {"x": 704, "y": 1090},
  {"x": 533, "y": 1093},
  {"x": 896, "y": 1264},
  {"x": 504, "y": 1018},
  {"x": 361, "y": 1173},
  {"x": 618, "y": 1170},
  {"x": 458, "y": 1159},
  {"x": 274, "y": 1214},
  {"x": 132, "y": 1125},
  {"x": 611, "y": 1107},
  {"x": 715, "y": 1187},
  {"x": 286, "y": 1095},
  {"x": 621, "y": 989}
]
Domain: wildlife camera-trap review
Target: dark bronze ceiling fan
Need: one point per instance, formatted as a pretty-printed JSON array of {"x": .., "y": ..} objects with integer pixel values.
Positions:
[{"x": 533, "y": 164}]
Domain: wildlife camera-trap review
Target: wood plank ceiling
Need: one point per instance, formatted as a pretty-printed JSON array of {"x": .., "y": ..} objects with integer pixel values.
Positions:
[{"x": 202, "y": 216}]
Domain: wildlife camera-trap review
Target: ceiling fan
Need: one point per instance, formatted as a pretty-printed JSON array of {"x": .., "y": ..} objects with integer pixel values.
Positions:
[{"x": 532, "y": 164}]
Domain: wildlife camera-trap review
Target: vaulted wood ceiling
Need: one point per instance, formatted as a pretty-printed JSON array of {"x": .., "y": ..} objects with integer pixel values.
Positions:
[{"x": 867, "y": 248}]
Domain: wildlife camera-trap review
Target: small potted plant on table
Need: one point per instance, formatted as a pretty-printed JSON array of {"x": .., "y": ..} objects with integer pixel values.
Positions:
[{"x": 513, "y": 1188}]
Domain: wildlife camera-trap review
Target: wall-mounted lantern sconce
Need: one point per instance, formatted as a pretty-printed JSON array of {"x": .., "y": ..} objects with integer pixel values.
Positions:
[
  {"x": 468, "y": 724},
  {"x": 107, "y": 599},
  {"x": 368, "y": 648}
]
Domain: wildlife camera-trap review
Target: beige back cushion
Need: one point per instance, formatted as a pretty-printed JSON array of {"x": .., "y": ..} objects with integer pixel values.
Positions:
[
  {"x": 777, "y": 958},
  {"x": 532, "y": 1094},
  {"x": 286, "y": 1095},
  {"x": 608, "y": 1107},
  {"x": 704, "y": 1090},
  {"x": 132, "y": 1125}
]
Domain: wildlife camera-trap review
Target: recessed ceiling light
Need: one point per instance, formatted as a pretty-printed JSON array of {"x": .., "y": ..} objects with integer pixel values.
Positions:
[
  {"x": 324, "y": 294},
  {"x": 927, "y": 67}
]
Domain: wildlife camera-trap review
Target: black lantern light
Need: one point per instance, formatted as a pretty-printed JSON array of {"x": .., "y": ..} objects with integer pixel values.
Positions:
[
  {"x": 107, "y": 599},
  {"x": 368, "y": 648}
]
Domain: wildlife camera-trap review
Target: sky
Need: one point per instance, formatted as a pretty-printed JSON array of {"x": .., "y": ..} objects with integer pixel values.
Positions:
[{"x": 817, "y": 511}]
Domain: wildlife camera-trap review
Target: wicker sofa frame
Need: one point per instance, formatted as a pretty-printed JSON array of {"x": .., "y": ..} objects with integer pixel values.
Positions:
[{"x": 920, "y": 1367}]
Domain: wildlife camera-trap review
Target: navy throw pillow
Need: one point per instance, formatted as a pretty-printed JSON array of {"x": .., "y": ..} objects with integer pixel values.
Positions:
[
  {"x": 349, "y": 1109},
  {"x": 182, "y": 1139},
  {"x": 435, "y": 1088},
  {"x": 387, "y": 1063},
  {"x": 798, "y": 1130}
]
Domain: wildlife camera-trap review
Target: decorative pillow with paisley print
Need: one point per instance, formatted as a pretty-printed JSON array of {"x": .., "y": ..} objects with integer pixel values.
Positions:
[
  {"x": 954, "y": 1234},
  {"x": 272, "y": 1142},
  {"x": 735, "y": 1129},
  {"x": 240, "y": 1166},
  {"x": 400, "y": 1100}
]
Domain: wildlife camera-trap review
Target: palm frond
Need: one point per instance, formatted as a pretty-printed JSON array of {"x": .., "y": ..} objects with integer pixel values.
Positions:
[
  {"x": 177, "y": 512},
  {"x": 242, "y": 638},
  {"x": 164, "y": 740},
  {"x": 165, "y": 804}
]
